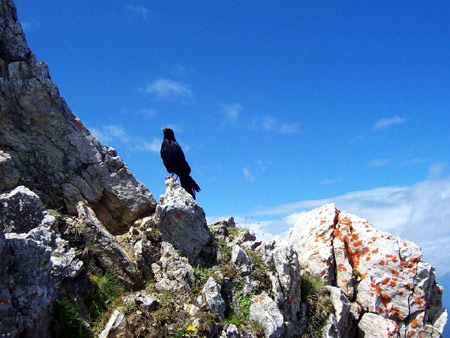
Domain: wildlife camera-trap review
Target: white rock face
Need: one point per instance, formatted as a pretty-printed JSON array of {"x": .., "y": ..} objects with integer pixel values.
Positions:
[
  {"x": 376, "y": 326},
  {"x": 240, "y": 258},
  {"x": 212, "y": 297},
  {"x": 265, "y": 311},
  {"x": 286, "y": 280},
  {"x": 381, "y": 272},
  {"x": 181, "y": 221},
  {"x": 173, "y": 272}
]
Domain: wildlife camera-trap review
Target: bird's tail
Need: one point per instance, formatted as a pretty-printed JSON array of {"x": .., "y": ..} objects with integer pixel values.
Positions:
[{"x": 188, "y": 183}]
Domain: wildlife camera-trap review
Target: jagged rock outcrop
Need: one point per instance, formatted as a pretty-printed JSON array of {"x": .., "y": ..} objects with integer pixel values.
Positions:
[
  {"x": 381, "y": 272},
  {"x": 54, "y": 154},
  {"x": 101, "y": 245},
  {"x": 212, "y": 297},
  {"x": 34, "y": 260},
  {"x": 266, "y": 312},
  {"x": 181, "y": 221},
  {"x": 173, "y": 272}
]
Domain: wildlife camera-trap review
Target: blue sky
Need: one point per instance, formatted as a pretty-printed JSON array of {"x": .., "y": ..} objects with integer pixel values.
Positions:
[{"x": 280, "y": 106}]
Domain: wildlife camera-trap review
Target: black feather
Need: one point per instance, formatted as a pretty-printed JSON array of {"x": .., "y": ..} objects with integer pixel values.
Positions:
[{"x": 175, "y": 162}]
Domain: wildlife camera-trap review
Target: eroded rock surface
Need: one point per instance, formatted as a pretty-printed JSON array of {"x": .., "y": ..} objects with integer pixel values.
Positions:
[
  {"x": 182, "y": 221},
  {"x": 381, "y": 272},
  {"x": 54, "y": 154}
]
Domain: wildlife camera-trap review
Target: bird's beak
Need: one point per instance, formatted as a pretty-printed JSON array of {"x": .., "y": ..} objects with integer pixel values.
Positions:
[{"x": 163, "y": 129}]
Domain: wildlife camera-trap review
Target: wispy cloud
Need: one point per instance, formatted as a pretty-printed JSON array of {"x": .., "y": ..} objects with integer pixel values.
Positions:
[
  {"x": 437, "y": 170},
  {"x": 146, "y": 112},
  {"x": 143, "y": 145},
  {"x": 270, "y": 123},
  {"x": 116, "y": 133},
  {"x": 380, "y": 162},
  {"x": 418, "y": 213},
  {"x": 140, "y": 10},
  {"x": 247, "y": 175},
  {"x": 167, "y": 89},
  {"x": 331, "y": 181},
  {"x": 231, "y": 112},
  {"x": 263, "y": 164},
  {"x": 387, "y": 122}
]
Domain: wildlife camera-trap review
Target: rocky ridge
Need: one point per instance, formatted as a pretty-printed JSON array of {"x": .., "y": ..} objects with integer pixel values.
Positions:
[{"x": 86, "y": 250}]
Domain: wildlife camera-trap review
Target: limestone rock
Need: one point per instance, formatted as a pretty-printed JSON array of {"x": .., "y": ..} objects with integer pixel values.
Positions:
[
  {"x": 212, "y": 297},
  {"x": 285, "y": 278},
  {"x": 173, "y": 272},
  {"x": 373, "y": 325},
  {"x": 20, "y": 210},
  {"x": 181, "y": 221},
  {"x": 232, "y": 332},
  {"x": 107, "y": 251},
  {"x": 144, "y": 301},
  {"x": 35, "y": 260},
  {"x": 381, "y": 272},
  {"x": 8, "y": 172},
  {"x": 55, "y": 155},
  {"x": 265, "y": 311},
  {"x": 116, "y": 327},
  {"x": 342, "y": 321},
  {"x": 240, "y": 258}
]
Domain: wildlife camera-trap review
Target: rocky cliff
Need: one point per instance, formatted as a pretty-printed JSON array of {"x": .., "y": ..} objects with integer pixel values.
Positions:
[{"x": 86, "y": 250}]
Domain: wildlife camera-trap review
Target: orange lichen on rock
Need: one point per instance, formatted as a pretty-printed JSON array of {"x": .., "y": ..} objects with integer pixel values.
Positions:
[
  {"x": 394, "y": 272},
  {"x": 411, "y": 334},
  {"x": 393, "y": 284},
  {"x": 341, "y": 267},
  {"x": 375, "y": 251},
  {"x": 382, "y": 262},
  {"x": 395, "y": 259},
  {"x": 385, "y": 281},
  {"x": 346, "y": 221},
  {"x": 385, "y": 299},
  {"x": 337, "y": 234},
  {"x": 358, "y": 243},
  {"x": 414, "y": 323}
]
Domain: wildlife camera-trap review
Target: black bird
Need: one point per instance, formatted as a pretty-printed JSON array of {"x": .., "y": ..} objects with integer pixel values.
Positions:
[{"x": 175, "y": 162}]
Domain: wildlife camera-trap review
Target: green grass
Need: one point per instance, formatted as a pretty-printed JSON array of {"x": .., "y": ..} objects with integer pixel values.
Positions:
[
  {"x": 68, "y": 322},
  {"x": 201, "y": 273},
  {"x": 102, "y": 300},
  {"x": 318, "y": 304}
]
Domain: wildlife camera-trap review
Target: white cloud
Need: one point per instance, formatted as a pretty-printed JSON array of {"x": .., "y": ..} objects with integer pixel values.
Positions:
[
  {"x": 379, "y": 162},
  {"x": 146, "y": 112},
  {"x": 270, "y": 123},
  {"x": 231, "y": 112},
  {"x": 436, "y": 170},
  {"x": 115, "y": 133},
  {"x": 263, "y": 164},
  {"x": 419, "y": 213},
  {"x": 143, "y": 145},
  {"x": 167, "y": 89},
  {"x": 331, "y": 181},
  {"x": 387, "y": 122},
  {"x": 248, "y": 176},
  {"x": 141, "y": 10}
]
